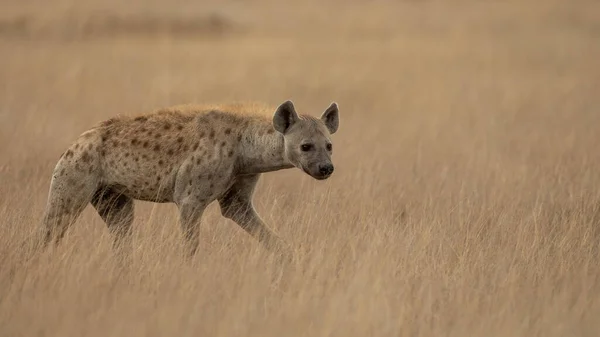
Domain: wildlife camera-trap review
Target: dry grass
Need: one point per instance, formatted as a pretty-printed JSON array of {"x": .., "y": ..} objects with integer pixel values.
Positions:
[{"x": 466, "y": 196}]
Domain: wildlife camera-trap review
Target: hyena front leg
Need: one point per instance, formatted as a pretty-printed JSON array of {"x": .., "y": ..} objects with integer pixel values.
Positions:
[
  {"x": 236, "y": 205},
  {"x": 193, "y": 192},
  {"x": 190, "y": 214}
]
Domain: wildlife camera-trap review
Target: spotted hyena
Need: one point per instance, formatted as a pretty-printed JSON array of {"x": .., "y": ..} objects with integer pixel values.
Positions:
[{"x": 189, "y": 155}]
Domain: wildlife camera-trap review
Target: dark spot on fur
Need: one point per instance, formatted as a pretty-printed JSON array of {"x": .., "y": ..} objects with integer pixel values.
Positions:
[
  {"x": 90, "y": 169},
  {"x": 209, "y": 177},
  {"x": 211, "y": 186},
  {"x": 167, "y": 126},
  {"x": 270, "y": 131},
  {"x": 144, "y": 156},
  {"x": 230, "y": 154},
  {"x": 161, "y": 162},
  {"x": 103, "y": 153},
  {"x": 239, "y": 138},
  {"x": 180, "y": 140},
  {"x": 170, "y": 152},
  {"x": 202, "y": 134},
  {"x": 76, "y": 146},
  {"x": 69, "y": 154},
  {"x": 146, "y": 144},
  {"x": 157, "y": 147},
  {"x": 115, "y": 143},
  {"x": 227, "y": 131},
  {"x": 136, "y": 159},
  {"x": 85, "y": 157},
  {"x": 198, "y": 161},
  {"x": 126, "y": 154},
  {"x": 90, "y": 146},
  {"x": 157, "y": 135},
  {"x": 189, "y": 192},
  {"x": 149, "y": 133},
  {"x": 223, "y": 143},
  {"x": 141, "y": 119},
  {"x": 190, "y": 182},
  {"x": 134, "y": 141},
  {"x": 179, "y": 127},
  {"x": 143, "y": 130},
  {"x": 62, "y": 171},
  {"x": 212, "y": 134},
  {"x": 196, "y": 146}
]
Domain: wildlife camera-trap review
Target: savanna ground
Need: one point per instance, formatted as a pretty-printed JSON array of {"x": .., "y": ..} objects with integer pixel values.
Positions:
[{"x": 466, "y": 196}]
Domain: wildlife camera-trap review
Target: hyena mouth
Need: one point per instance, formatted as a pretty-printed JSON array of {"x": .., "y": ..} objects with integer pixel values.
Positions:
[{"x": 316, "y": 176}]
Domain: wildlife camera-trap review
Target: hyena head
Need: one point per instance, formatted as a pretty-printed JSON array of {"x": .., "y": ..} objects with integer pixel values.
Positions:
[{"x": 308, "y": 139}]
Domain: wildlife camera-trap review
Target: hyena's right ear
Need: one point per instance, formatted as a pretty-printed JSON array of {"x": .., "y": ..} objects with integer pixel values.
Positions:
[{"x": 285, "y": 116}]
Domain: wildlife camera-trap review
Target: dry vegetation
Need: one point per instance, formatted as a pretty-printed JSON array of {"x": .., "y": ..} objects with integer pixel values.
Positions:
[{"x": 466, "y": 196}]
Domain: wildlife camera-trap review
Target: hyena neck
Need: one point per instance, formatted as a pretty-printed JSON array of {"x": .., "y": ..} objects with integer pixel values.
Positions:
[{"x": 262, "y": 149}]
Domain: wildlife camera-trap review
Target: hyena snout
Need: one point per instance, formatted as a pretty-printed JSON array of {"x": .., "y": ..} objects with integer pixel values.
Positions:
[
  {"x": 321, "y": 171},
  {"x": 326, "y": 169}
]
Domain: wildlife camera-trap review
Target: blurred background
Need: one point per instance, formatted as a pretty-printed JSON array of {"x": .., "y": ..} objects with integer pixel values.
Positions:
[
  {"x": 466, "y": 194},
  {"x": 397, "y": 67}
]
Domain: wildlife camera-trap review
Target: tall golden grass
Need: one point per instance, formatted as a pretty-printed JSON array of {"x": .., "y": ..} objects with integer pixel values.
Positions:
[{"x": 465, "y": 200}]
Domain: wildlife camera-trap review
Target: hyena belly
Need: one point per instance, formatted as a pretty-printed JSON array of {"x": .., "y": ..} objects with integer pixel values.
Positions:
[{"x": 140, "y": 182}]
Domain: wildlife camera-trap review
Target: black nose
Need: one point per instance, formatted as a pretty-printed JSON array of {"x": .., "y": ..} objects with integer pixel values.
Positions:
[{"x": 325, "y": 169}]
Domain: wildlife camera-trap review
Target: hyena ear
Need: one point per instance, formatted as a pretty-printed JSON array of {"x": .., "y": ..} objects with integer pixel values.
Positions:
[
  {"x": 331, "y": 118},
  {"x": 285, "y": 116}
]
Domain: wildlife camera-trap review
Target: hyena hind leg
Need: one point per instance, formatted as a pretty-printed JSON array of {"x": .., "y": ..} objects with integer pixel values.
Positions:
[
  {"x": 65, "y": 203},
  {"x": 116, "y": 210},
  {"x": 74, "y": 181}
]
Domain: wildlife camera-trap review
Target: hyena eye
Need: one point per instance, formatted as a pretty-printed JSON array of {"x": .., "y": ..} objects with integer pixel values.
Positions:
[
  {"x": 329, "y": 147},
  {"x": 306, "y": 147}
]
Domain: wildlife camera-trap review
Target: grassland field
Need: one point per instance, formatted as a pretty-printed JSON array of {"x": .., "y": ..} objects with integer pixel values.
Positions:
[{"x": 466, "y": 195}]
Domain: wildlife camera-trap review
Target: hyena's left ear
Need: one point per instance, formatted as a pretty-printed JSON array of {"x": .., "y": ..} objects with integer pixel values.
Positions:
[{"x": 331, "y": 118}]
